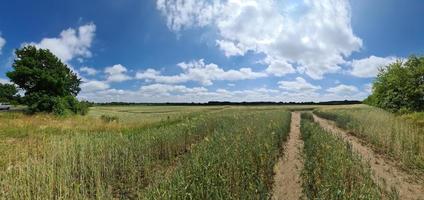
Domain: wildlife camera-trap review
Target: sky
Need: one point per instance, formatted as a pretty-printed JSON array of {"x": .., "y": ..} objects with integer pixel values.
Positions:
[{"x": 217, "y": 50}]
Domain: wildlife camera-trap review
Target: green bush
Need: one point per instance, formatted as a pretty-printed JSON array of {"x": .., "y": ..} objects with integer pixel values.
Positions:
[
  {"x": 399, "y": 87},
  {"x": 107, "y": 118}
]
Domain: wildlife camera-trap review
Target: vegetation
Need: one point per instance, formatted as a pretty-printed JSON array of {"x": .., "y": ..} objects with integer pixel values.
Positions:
[
  {"x": 8, "y": 93},
  {"x": 388, "y": 133},
  {"x": 236, "y": 162},
  {"x": 399, "y": 87},
  {"x": 332, "y": 170},
  {"x": 119, "y": 160},
  {"x": 49, "y": 85}
]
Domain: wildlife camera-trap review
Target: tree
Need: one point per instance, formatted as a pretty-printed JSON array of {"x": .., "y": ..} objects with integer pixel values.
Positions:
[
  {"x": 49, "y": 85},
  {"x": 8, "y": 93},
  {"x": 399, "y": 87}
]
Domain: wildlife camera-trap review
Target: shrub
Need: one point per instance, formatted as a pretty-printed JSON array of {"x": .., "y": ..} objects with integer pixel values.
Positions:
[
  {"x": 107, "y": 118},
  {"x": 400, "y": 86}
]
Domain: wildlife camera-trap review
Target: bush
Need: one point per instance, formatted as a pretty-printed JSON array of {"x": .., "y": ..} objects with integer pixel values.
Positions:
[
  {"x": 57, "y": 105},
  {"x": 107, "y": 118},
  {"x": 399, "y": 87}
]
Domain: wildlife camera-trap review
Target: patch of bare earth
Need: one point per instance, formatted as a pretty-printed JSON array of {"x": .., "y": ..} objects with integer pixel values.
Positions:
[
  {"x": 287, "y": 180},
  {"x": 385, "y": 172}
]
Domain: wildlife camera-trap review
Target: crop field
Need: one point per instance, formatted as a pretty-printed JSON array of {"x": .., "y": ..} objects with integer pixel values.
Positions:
[{"x": 213, "y": 152}]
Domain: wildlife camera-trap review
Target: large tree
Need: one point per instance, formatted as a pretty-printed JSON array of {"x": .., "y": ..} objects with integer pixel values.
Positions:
[
  {"x": 8, "y": 93},
  {"x": 49, "y": 85},
  {"x": 400, "y": 86}
]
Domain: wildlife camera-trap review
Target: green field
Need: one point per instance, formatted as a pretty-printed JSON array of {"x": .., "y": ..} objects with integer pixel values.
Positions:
[{"x": 196, "y": 152}]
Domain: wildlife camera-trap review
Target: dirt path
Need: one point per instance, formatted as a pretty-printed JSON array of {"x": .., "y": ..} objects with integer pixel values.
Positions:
[
  {"x": 385, "y": 172},
  {"x": 287, "y": 180}
]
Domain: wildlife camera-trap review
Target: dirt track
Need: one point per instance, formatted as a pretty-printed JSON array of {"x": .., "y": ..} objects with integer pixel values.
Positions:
[
  {"x": 287, "y": 180},
  {"x": 385, "y": 172}
]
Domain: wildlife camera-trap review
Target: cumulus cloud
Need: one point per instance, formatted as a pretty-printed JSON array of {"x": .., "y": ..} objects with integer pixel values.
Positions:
[
  {"x": 71, "y": 43},
  {"x": 298, "y": 85},
  {"x": 2, "y": 43},
  {"x": 343, "y": 90},
  {"x": 4, "y": 81},
  {"x": 117, "y": 73},
  {"x": 94, "y": 85},
  {"x": 313, "y": 36},
  {"x": 201, "y": 72},
  {"x": 368, "y": 67},
  {"x": 88, "y": 70}
]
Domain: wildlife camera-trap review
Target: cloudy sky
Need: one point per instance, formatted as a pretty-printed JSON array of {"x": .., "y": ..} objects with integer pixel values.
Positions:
[{"x": 202, "y": 50}]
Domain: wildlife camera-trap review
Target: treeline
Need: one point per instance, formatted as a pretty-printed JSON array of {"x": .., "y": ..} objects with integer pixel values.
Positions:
[{"x": 218, "y": 103}]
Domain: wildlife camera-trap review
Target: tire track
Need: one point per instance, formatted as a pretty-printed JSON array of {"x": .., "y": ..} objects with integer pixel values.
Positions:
[
  {"x": 385, "y": 172},
  {"x": 287, "y": 180}
]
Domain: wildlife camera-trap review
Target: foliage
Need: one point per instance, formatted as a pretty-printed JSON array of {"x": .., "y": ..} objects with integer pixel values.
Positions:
[
  {"x": 390, "y": 134},
  {"x": 399, "y": 87},
  {"x": 49, "y": 85},
  {"x": 331, "y": 169},
  {"x": 108, "y": 118},
  {"x": 8, "y": 93}
]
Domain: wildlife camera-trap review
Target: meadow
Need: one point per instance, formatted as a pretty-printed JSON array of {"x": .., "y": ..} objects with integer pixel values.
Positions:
[{"x": 196, "y": 152}]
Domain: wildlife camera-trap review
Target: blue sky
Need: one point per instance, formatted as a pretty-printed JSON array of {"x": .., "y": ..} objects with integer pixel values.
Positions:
[{"x": 201, "y": 50}]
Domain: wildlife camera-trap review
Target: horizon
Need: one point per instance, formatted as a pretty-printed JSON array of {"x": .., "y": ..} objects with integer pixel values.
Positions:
[{"x": 172, "y": 51}]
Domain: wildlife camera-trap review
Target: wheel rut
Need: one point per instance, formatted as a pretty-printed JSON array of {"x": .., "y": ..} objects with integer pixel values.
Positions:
[
  {"x": 287, "y": 179},
  {"x": 385, "y": 172}
]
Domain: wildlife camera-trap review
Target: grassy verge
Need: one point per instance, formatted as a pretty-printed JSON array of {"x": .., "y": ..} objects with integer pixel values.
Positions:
[
  {"x": 105, "y": 165},
  {"x": 389, "y": 134},
  {"x": 332, "y": 170},
  {"x": 236, "y": 162}
]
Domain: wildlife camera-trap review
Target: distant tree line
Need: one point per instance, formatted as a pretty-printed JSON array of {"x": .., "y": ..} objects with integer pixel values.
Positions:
[
  {"x": 399, "y": 87},
  {"x": 217, "y": 103}
]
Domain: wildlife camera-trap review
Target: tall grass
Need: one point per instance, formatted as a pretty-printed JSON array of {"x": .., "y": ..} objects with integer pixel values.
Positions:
[
  {"x": 331, "y": 169},
  {"x": 390, "y": 134},
  {"x": 106, "y": 165},
  {"x": 236, "y": 162}
]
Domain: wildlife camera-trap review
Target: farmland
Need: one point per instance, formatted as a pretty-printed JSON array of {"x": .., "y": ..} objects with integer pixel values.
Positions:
[{"x": 213, "y": 152}]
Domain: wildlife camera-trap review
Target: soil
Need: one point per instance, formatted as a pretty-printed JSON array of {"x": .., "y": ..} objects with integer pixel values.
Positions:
[{"x": 287, "y": 179}]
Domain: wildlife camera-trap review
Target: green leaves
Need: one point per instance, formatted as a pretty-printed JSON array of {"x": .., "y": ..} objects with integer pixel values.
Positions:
[
  {"x": 50, "y": 86},
  {"x": 399, "y": 87}
]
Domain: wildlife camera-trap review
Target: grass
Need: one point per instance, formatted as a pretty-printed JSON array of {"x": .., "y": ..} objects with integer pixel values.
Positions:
[
  {"x": 48, "y": 160},
  {"x": 89, "y": 157},
  {"x": 236, "y": 162},
  {"x": 331, "y": 169},
  {"x": 400, "y": 139}
]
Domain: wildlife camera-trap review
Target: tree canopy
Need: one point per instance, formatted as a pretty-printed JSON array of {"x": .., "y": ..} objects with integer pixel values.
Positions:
[
  {"x": 8, "y": 93},
  {"x": 49, "y": 85},
  {"x": 399, "y": 87}
]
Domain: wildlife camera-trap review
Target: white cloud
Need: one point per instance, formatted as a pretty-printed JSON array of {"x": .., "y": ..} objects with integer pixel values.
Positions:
[
  {"x": 164, "y": 89},
  {"x": 71, "y": 43},
  {"x": 343, "y": 90},
  {"x": 299, "y": 85},
  {"x": 314, "y": 36},
  {"x": 201, "y": 72},
  {"x": 4, "y": 81},
  {"x": 230, "y": 48},
  {"x": 117, "y": 73},
  {"x": 88, "y": 70},
  {"x": 368, "y": 67},
  {"x": 93, "y": 85},
  {"x": 2, "y": 43}
]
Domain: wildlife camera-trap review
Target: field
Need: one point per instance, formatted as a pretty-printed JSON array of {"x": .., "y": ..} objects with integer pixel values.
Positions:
[{"x": 213, "y": 152}]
